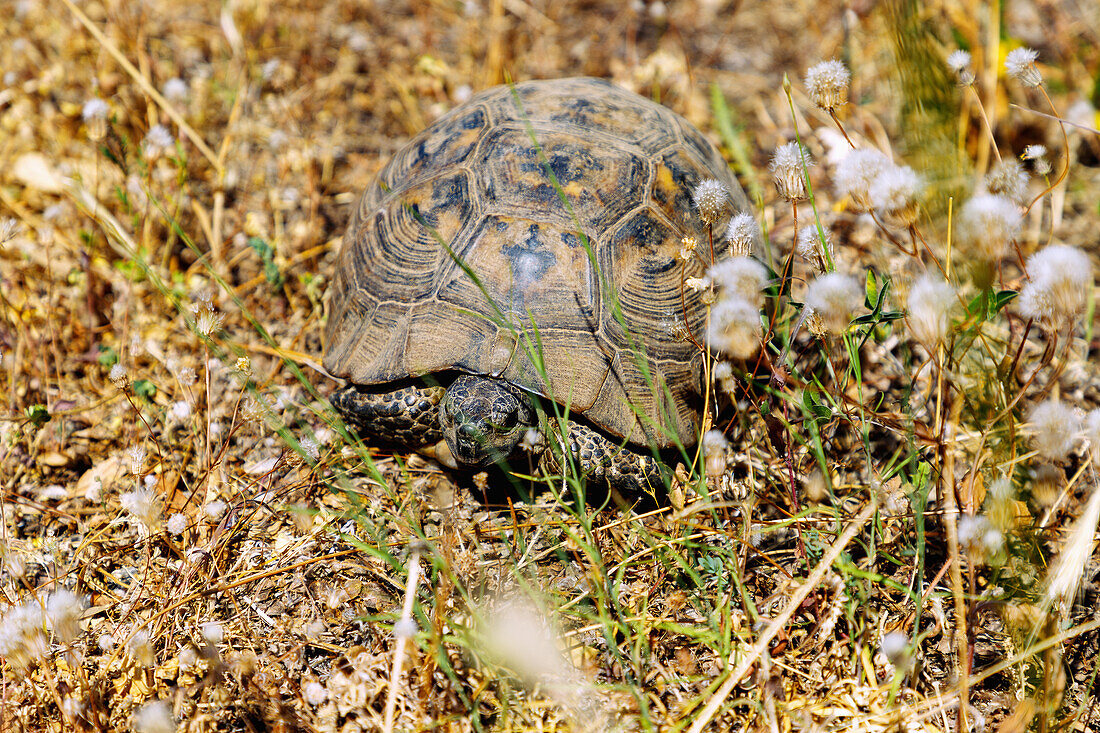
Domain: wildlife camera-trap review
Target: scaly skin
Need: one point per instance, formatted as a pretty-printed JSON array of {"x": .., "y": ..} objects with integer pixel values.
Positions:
[
  {"x": 406, "y": 416},
  {"x": 410, "y": 416}
]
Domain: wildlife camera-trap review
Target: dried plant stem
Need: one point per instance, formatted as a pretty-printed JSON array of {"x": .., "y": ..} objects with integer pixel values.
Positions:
[
  {"x": 797, "y": 597},
  {"x": 985, "y": 119},
  {"x": 950, "y": 522},
  {"x": 399, "y": 650},
  {"x": 1065, "y": 141},
  {"x": 832, "y": 113}
]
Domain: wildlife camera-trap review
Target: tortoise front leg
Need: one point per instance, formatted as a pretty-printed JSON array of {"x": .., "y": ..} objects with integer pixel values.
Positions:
[
  {"x": 608, "y": 463},
  {"x": 407, "y": 416}
]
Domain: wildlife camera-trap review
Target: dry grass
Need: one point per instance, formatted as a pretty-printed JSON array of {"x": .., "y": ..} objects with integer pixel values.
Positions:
[{"x": 269, "y": 601}]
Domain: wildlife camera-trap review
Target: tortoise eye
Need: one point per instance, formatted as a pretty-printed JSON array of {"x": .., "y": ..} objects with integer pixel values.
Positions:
[{"x": 510, "y": 420}]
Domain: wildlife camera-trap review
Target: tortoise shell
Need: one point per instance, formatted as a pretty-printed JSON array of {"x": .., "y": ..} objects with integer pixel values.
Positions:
[{"x": 466, "y": 254}]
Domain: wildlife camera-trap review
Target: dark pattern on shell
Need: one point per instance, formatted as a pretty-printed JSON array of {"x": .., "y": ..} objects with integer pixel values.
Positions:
[{"x": 472, "y": 194}]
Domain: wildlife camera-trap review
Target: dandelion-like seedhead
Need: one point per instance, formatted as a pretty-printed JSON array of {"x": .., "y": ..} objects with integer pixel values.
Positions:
[
  {"x": 827, "y": 84},
  {"x": 144, "y": 507},
  {"x": 1054, "y": 428},
  {"x": 787, "y": 171},
  {"x": 310, "y": 447},
  {"x": 742, "y": 235},
  {"x": 987, "y": 224},
  {"x": 734, "y": 328},
  {"x": 158, "y": 141},
  {"x": 315, "y": 693},
  {"x": 809, "y": 247},
  {"x": 141, "y": 649},
  {"x": 1020, "y": 64},
  {"x": 895, "y": 647},
  {"x": 154, "y": 717},
  {"x": 215, "y": 509},
  {"x": 687, "y": 248},
  {"x": 715, "y": 452},
  {"x": 95, "y": 109},
  {"x": 1009, "y": 179},
  {"x": 710, "y": 198},
  {"x": 723, "y": 376},
  {"x": 177, "y": 524},
  {"x": 118, "y": 376},
  {"x": 740, "y": 278},
  {"x": 63, "y": 609},
  {"x": 405, "y": 628},
  {"x": 212, "y": 632},
  {"x": 714, "y": 441},
  {"x": 929, "y": 301},
  {"x": 175, "y": 90},
  {"x": 959, "y": 62},
  {"x": 1058, "y": 287},
  {"x": 834, "y": 298},
  {"x": 180, "y": 410},
  {"x": 22, "y": 640},
  {"x": 208, "y": 323},
  {"x": 1032, "y": 152},
  {"x": 9, "y": 228},
  {"x": 1037, "y": 154},
  {"x": 894, "y": 192},
  {"x": 856, "y": 172}
]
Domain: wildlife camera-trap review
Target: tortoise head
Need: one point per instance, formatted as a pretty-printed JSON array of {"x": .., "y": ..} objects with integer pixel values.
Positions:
[{"x": 483, "y": 419}]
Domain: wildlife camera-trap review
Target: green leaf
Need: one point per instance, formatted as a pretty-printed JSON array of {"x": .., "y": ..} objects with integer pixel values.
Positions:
[
  {"x": 1000, "y": 300},
  {"x": 108, "y": 357},
  {"x": 38, "y": 415},
  {"x": 871, "y": 289},
  {"x": 145, "y": 389},
  {"x": 267, "y": 256}
]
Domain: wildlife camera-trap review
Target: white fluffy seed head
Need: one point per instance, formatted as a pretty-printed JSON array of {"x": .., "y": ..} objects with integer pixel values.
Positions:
[
  {"x": 834, "y": 298},
  {"x": 895, "y": 647},
  {"x": 144, "y": 506},
  {"x": 95, "y": 109},
  {"x": 1054, "y": 429},
  {"x": 715, "y": 452},
  {"x": 734, "y": 328},
  {"x": 786, "y": 168},
  {"x": 856, "y": 172},
  {"x": 710, "y": 198},
  {"x": 1037, "y": 154},
  {"x": 959, "y": 61},
  {"x": 1031, "y": 152},
  {"x": 22, "y": 641},
  {"x": 742, "y": 234},
  {"x": 987, "y": 224},
  {"x": 154, "y": 717},
  {"x": 177, "y": 523},
  {"x": 741, "y": 278},
  {"x": 894, "y": 192},
  {"x": 1009, "y": 179},
  {"x": 63, "y": 609},
  {"x": 1020, "y": 63},
  {"x": 1058, "y": 287},
  {"x": 810, "y": 248},
  {"x": 175, "y": 90},
  {"x": 929, "y": 301},
  {"x": 158, "y": 141},
  {"x": 827, "y": 84}
]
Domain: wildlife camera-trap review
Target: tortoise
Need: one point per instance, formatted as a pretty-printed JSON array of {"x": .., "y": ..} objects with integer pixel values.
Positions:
[{"x": 523, "y": 251}]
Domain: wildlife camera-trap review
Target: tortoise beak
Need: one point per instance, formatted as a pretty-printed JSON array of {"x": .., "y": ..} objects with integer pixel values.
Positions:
[{"x": 469, "y": 446}]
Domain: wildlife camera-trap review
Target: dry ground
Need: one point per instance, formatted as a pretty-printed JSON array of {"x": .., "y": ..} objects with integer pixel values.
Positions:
[{"x": 198, "y": 264}]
